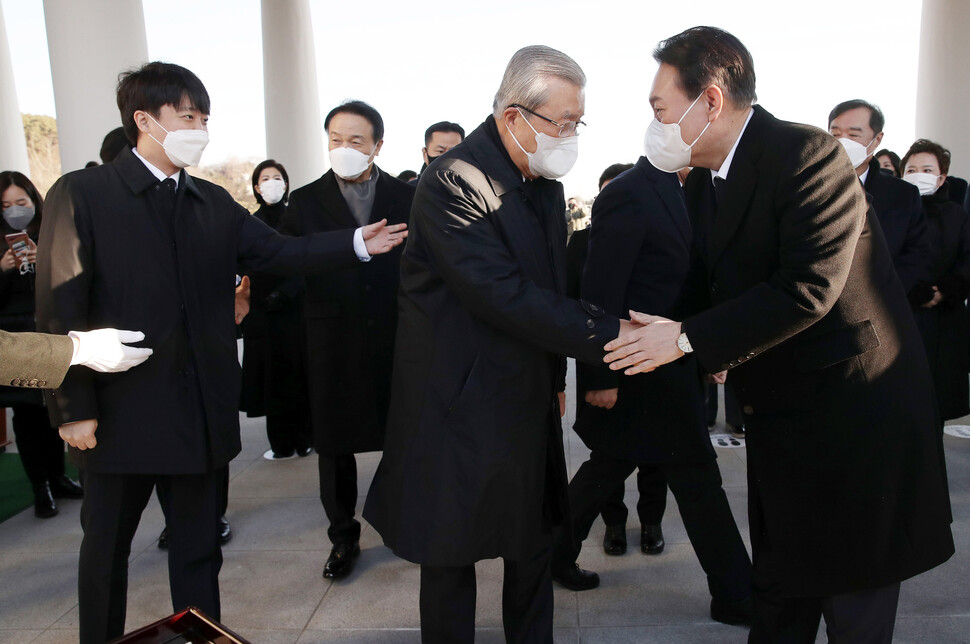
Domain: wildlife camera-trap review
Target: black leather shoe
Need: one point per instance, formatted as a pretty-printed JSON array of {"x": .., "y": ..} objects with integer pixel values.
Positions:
[
  {"x": 163, "y": 539},
  {"x": 341, "y": 560},
  {"x": 44, "y": 506},
  {"x": 64, "y": 487},
  {"x": 614, "y": 541},
  {"x": 575, "y": 578},
  {"x": 303, "y": 452},
  {"x": 736, "y": 613},
  {"x": 651, "y": 539},
  {"x": 225, "y": 532}
]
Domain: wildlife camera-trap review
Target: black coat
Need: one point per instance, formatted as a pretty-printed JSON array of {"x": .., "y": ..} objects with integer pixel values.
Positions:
[
  {"x": 900, "y": 212},
  {"x": 640, "y": 252},
  {"x": 274, "y": 344},
  {"x": 351, "y": 319},
  {"x": 944, "y": 326},
  {"x": 845, "y": 457},
  {"x": 111, "y": 257},
  {"x": 473, "y": 465}
]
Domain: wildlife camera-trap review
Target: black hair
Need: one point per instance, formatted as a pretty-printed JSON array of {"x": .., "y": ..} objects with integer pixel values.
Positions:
[
  {"x": 705, "y": 56},
  {"x": 270, "y": 163},
  {"x": 360, "y": 108},
  {"x": 114, "y": 142},
  {"x": 443, "y": 126},
  {"x": 886, "y": 152},
  {"x": 407, "y": 175},
  {"x": 153, "y": 85},
  {"x": 613, "y": 172},
  {"x": 877, "y": 121},
  {"x": 13, "y": 178},
  {"x": 925, "y": 145}
]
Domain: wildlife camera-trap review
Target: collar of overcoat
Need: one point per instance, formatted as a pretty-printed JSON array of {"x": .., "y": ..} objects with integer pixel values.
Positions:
[
  {"x": 327, "y": 193},
  {"x": 138, "y": 178},
  {"x": 670, "y": 193}
]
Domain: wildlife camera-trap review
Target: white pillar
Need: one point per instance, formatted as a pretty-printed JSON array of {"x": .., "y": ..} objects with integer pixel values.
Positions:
[
  {"x": 294, "y": 127},
  {"x": 13, "y": 145},
  {"x": 90, "y": 43},
  {"x": 942, "y": 91}
]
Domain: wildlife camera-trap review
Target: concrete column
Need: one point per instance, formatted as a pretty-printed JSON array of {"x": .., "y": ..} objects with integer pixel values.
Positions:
[
  {"x": 13, "y": 145},
  {"x": 294, "y": 126},
  {"x": 942, "y": 91},
  {"x": 90, "y": 43}
]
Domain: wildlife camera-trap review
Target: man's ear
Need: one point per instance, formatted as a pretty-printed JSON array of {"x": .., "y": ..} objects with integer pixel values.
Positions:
[
  {"x": 713, "y": 102},
  {"x": 377, "y": 148},
  {"x": 142, "y": 120}
]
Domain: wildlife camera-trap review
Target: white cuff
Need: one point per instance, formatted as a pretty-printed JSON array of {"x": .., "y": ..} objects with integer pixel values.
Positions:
[{"x": 360, "y": 247}]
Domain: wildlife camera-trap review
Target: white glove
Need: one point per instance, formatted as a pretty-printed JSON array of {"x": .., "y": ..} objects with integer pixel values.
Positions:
[{"x": 104, "y": 350}]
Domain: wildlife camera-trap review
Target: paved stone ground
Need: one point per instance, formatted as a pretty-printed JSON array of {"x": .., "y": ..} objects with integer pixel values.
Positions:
[{"x": 273, "y": 592}]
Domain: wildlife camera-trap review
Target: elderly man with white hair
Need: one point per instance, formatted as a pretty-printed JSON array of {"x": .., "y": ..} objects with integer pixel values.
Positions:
[{"x": 473, "y": 464}]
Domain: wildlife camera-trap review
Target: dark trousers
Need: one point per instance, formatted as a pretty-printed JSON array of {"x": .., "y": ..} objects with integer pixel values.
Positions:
[
  {"x": 448, "y": 597},
  {"x": 338, "y": 493},
  {"x": 652, "y": 501},
  {"x": 703, "y": 507},
  {"x": 866, "y": 617},
  {"x": 289, "y": 430},
  {"x": 732, "y": 411},
  {"x": 222, "y": 481},
  {"x": 112, "y": 508},
  {"x": 40, "y": 446}
]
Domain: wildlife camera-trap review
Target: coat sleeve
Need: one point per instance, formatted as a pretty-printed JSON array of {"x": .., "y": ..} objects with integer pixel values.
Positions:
[
  {"x": 820, "y": 210},
  {"x": 615, "y": 240},
  {"x": 64, "y": 275},
  {"x": 913, "y": 262},
  {"x": 449, "y": 216},
  {"x": 263, "y": 249},
  {"x": 34, "y": 356}
]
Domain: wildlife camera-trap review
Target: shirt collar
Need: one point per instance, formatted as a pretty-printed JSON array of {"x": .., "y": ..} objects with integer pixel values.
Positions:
[
  {"x": 863, "y": 176},
  {"x": 723, "y": 170},
  {"x": 155, "y": 171}
]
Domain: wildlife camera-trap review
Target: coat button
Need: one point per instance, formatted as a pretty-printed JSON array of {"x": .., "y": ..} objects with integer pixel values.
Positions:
[
  {"x": 590, "y": 324},
  {"x": 714, "y": 287},
  {"x": 42, "y": 383},
  {"x": 748, "y": 409},
  {"x": 32, "y": 382},
  {"x": 15, "y": 382}
]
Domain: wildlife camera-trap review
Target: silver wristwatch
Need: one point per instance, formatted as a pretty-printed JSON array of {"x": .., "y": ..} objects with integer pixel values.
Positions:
[{"x": 684, "y": 344}]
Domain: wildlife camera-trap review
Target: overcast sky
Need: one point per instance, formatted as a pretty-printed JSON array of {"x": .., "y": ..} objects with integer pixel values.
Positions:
[{"x": 419, "y": 62}]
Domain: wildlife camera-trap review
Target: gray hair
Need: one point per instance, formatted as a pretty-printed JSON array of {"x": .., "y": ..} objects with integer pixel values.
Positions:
[{"x": 525, "y": 80}]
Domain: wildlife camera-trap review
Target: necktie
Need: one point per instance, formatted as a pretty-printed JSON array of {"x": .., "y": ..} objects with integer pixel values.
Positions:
[
  {"x": 166, "y": 194},
  {"x": 720, "y": 190}
]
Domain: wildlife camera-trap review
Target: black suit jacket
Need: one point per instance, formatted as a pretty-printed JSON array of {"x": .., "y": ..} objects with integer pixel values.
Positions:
[
  {"x": 847, "y": 489},
  {"x": 900, "y": 212},
  {"x": 110, "y": 258},
  {"x": 351, "y": 318},
  {"x": 473, "y": 465},
  {"x": 640, "y": 252}
]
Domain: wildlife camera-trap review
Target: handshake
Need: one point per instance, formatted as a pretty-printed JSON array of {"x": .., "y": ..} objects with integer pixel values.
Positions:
[{"x": 645, "y": 342}]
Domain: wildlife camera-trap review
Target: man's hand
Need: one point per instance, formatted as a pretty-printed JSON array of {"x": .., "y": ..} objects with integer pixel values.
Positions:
[
  {"x": 105, "y": 350},
  {"x": 602, "y": 398},
  {"x": 80, "y": 434},
  {"x": 644, "y": 349},
  {"x": 380, "y": 238},
  {"x": 242, "y": 299},
  {"x": 718, "y": 378},
  {"x": 562, "y": 403},
  {"x": 937, "y": 298}
]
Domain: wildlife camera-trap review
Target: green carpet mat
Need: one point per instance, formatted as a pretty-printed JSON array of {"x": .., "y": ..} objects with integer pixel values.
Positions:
[{"x": 15, "y": 492}]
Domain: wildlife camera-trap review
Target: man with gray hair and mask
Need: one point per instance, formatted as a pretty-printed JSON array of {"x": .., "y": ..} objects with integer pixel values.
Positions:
[{"x": 473, "y": 464}]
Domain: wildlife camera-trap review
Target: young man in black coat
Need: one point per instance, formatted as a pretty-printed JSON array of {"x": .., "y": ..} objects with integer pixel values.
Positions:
[
  {"x": 846, "y": 485},
  {"x": 640, "y": 253},
  {"x": 139, "y": 244},
  {"x": 351, "y": 317}
]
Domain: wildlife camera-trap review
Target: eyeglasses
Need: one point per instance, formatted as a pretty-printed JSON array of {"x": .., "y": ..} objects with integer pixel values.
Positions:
[{"x": 569, "y": 128}]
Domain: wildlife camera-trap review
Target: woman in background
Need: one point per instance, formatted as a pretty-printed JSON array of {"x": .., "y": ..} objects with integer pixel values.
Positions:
[
  {"x": 41, "y": 448},
  {"x": 274, "y": 343}
]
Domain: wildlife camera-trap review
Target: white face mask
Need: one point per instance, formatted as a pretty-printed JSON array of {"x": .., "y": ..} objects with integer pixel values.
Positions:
[
  {"x": 926, "y": 182},
  {"x": 272, "y": 190},
  {"x": 856, "y": 151},
  {"x": 348, "y": 163},
  {"x": 554, "y": 156},
  {"x": 183, "y": 147},
  {"x": 664, "y": 146}
]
